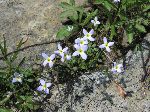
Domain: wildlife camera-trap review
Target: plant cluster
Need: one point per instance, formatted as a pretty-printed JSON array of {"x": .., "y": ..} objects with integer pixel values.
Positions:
[{"x": 91, "y": 33}]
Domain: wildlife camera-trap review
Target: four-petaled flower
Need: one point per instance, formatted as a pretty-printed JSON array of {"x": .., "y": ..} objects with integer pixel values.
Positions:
[
  {"x": 61, "y": 51},
  {"x": 65, "y": 57},
  {"x": 88, "y": 35},
  {"x": 70, "y": 28},
  {"x": 106, "y": 44},
  {"x": 49, "y": 60},
  {"x": 117, "y": 68},
  {"x": 95, "y": 21},
  {"x": 44, "y": 86},
  {"x": 17, "y": 77},
  {"x": 81, "y": 41},
  {"x": 80, "y": 50}
]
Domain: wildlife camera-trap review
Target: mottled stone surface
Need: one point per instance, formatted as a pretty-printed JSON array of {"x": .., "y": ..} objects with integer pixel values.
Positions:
[
  {"x": 95, "y": 93},
  {"x": 37, "y": 20}
]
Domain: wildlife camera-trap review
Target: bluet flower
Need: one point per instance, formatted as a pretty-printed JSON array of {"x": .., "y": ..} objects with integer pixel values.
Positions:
[
  {"x": 17, "y": 77},
  {"x": 81, "y": 41},
  {"x": 95, "y": 21},
  {"x": 117, "y": 68},
  {"x": 60, "y": 50},
  {"x": 80, "y": 50},
  {"x": 88, "y": 35},
  {"x": 66, "y": 57},
  {"x": 44, "y": 86},
  {"x": 48, "y": 60},
  {"x": 106, "y": 44}
]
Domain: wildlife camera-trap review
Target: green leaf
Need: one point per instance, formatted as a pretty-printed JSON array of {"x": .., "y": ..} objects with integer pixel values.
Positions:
[
  {"x": 89, "y": 17},
  {"x": 72, "y": 2},
  {"x": 130, "y": 37},
  {"x": 23, "y": 97},
  {"x": 62, "y": 33},
  {"x": 30, "y": 80},
  {"x": 113, "y": 32},
  {"x": 65, "y": 5},
  {"x": 5, "y": 110},
  {"x": 140, "y": 27},
  {"x": 146, "y": 8},
  {"x": 30, "y": 105},
  {"x": 106, "y": 3}
]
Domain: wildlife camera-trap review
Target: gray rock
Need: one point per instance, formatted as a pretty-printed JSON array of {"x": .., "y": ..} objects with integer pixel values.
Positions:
[{"x": 95, "y": 93}]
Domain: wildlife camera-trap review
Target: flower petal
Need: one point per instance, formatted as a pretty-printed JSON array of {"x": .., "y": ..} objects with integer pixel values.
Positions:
[
  {"x": 19, "y": 80},
  {"x": 45, "y": 63},
  {"x": 105, "y": 40},
  {"x": 77, "y": 41},
  {"x": 59, "y": 47},
  {"x": 114, "y": 64},
  {"x": 102, "y": 46},
  {"x": 119, "y": 70},
  {"x": 92, "y": 21},
  {"x": 110, "y": 43},
  {"x": 50, "y": 64},
  {"x": 97, "y": 22},
  {"x": 52, "y": 56},
  {"x": 91, "y": 39},
  {"x": 42, "y": 82},
  {"x": 68, "y": 57},
  {"x": 65, "y": 49},
  {"x": 47, "y": 91},
  {"x": 84, "y": 56},
  {"x": 48, "y": 84},
  {"x": 84, "y": 32},
  {"x": 85, "y": 42},
  {"x": 120, "y": 65},
  {"x": 14, "y": 80},
  {"x": 108, "y": 49},
  {"x": 40, "y": 88},
  {"x": 91, "y": 32},
  {"x": 57, "y": 52},
  {"x": 76, "y": 46},
  {"x": 44, "y": 55},
  {"x": 75, "y": 53},
  {"x": 62, "y": 59},
  {"x": 84, "y": 47},
  {"x": 95, "y": 18}
]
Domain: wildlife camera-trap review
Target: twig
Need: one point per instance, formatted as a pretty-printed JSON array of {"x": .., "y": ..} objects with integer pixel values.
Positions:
[{"x": 27, "y": 47}]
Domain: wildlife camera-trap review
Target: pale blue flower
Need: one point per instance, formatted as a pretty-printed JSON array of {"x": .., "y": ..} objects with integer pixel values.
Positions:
[
  {"x": 95, "y": 21},
  {"x": 48, "y": 60},
  {"x": 44, "y": 86},
  {"x": 117, "y": 68},
  {"x": 61, "y": 51},
  {"x": 65, "y": 57},
  {"x": 88, "y": 35},
  {"x": 17, "y": 77},
  {"x": 81, "y": 41},
  {"x": 80, "y": 50},
  {"x": 106, "y": 44}
]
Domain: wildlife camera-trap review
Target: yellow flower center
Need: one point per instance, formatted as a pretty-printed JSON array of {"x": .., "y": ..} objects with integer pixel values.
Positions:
[
  {"x": 82, "y": 42},
  {"x": 106, "y": 44},
  {"x": 116, "y": 67},
  {"x": 88, "y": 35},
  {"x": 61, "y": 51},
  {"x": 48, "y": 59},
  {"x": 44, "y": 86},
  {"x": 80, "y": 50}
]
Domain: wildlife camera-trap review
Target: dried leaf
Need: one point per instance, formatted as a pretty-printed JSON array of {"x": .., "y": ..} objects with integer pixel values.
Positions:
[{"x": 120, "y": 90}]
